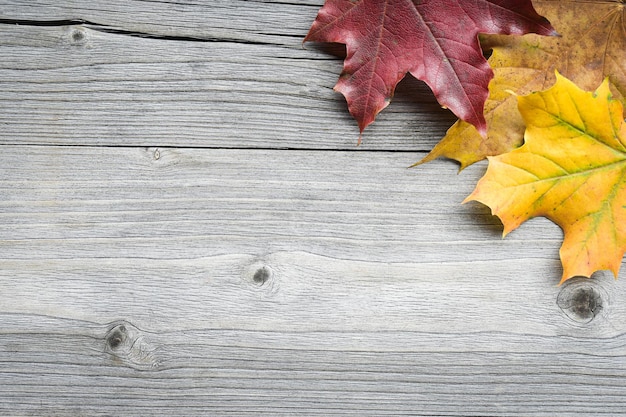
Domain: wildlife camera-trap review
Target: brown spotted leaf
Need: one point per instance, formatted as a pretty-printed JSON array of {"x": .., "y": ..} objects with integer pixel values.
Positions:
[{"x": 591, "y": 47}]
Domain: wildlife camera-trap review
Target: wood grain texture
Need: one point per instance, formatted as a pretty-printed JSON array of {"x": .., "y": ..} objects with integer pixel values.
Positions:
[
  {"x": 168, "y": 281},
  {"x": 361, "y": 206},
  {"x": 187, "y": 228},
  {"x": 243, "y": 21},
  {"x": 77, "y": 84}
]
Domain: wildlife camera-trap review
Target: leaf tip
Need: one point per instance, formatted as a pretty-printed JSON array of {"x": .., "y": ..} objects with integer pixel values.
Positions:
[
  {"x": 468, "y": 199},
  {"x": 428, "y": 158},
  {"x": 553, "y": 32},
  {"x": 481, "y": 127}
]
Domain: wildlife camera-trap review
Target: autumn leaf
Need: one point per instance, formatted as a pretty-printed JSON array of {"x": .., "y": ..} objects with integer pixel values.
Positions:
[
  {"x": 591, "y": 47},
  {"x": 435, "y": 41},
  {"x": 572, "y": 170}
]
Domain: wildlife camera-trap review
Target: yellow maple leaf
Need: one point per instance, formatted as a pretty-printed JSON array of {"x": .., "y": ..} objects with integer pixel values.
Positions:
[
  {"x": 591, "y": 47},
  {"x": 572, "y": 170}
]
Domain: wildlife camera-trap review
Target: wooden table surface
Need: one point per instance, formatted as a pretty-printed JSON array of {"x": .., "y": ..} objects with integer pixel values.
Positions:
[{"x": 187, "y": 227}]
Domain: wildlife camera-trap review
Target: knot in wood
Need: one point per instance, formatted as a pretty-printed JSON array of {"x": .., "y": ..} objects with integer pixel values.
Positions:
[
  {"x": 260, "y": 278},
  {"x": 77, "y": 36},
  {"x": 262, "y": 275},
  {"x": 116, "y": 336},
  {"x": 259, "y": 274},
  {"x": 580, "y": 300},
  {"x": 129, "y": 346}
]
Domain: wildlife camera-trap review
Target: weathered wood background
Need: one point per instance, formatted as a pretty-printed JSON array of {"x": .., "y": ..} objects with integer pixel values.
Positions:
[{"x": 187, "y": 227}]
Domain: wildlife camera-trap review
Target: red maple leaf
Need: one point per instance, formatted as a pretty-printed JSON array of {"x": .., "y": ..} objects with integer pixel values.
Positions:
[{"x": 435, "y": 40}]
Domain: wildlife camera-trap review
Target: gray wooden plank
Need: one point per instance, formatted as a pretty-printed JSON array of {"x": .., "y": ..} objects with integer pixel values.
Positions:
[
  {"x": 274, "y": 21},
  {"x": 116, "y": 368},
  {"x": 147, "y": 281},
  {"x": 79, "y": 86},
  {"x": 363, "y": 206}
]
